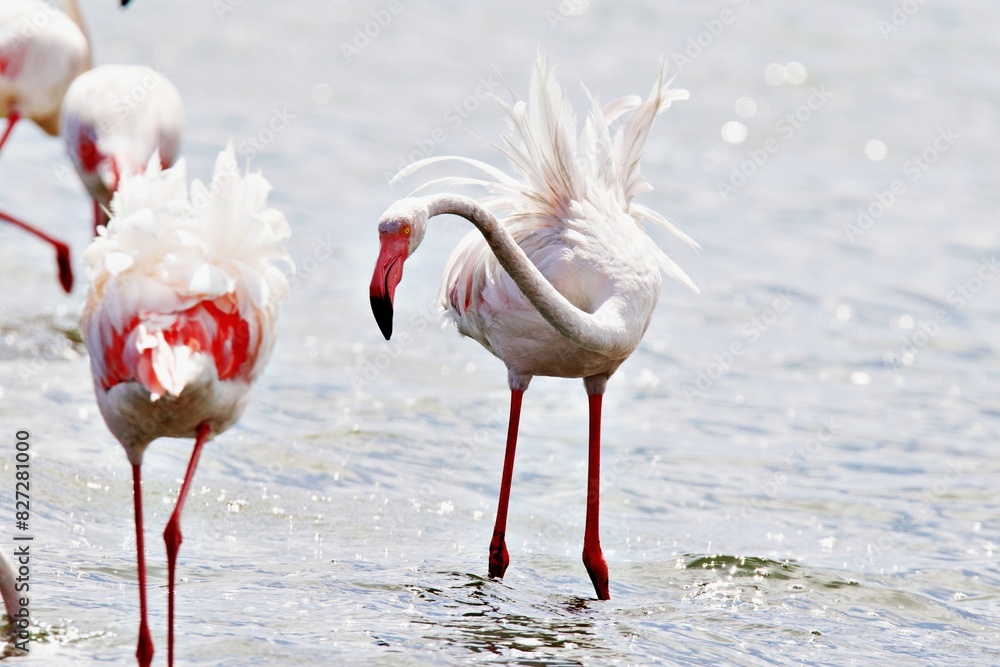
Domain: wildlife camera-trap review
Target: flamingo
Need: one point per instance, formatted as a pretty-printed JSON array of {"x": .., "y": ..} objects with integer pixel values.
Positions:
[
  {"x": 41, "y": 51},
  {"x": 566, "y": 285},
  {"x": 180, "y": 320},
  {"x": 114, "y": 117},
  {"x": 8, "y": 587}
]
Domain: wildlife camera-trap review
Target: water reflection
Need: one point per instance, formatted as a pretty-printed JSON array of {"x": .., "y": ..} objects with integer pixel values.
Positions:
[{"x": 479, "y": 619}]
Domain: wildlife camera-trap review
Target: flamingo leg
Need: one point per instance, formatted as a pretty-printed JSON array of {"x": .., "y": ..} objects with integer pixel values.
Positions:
[
  {"x": 498, "y": 546},
  {"x": 172, "y": 535},
  {"x": 144, "y": 649},
  {"x": 593, "y": 557},
  {"x": 62, "y": 250},
  {"x": 12, "y": 119}
]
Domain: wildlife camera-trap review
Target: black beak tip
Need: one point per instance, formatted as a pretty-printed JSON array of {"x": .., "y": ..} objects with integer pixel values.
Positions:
[{"x": 382, "y": 309}]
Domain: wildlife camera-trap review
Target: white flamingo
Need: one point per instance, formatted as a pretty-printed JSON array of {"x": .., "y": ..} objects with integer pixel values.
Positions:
[
  {"x": 567, "y": 284},
  {"x": 41, "y": 51},
  {"x": 180, "y": 320},
  {"x": 114, "y": 117}
]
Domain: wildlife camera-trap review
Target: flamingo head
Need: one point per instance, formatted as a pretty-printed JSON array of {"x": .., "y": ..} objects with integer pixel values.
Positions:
[
  {"x": 101, "y": 171},
  {"x": 400, "y": 232}
]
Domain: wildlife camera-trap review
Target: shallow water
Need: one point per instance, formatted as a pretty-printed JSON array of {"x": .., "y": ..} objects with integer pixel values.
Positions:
[{"x": 825, "y": 495}]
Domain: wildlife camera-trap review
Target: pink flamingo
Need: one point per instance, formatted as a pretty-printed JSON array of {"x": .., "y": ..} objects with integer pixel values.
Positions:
[
  {"x": 566, "y": 285},
  {"x": 114, "y": 118},
  {"x": 41, "y": 51},
  {"x": 180, "y": 320}
]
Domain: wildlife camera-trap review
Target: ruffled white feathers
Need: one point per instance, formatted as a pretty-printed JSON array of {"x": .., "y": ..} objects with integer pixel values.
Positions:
[
  {"x": 168, "y": 248},
  {"x": 560, "y": 170}
]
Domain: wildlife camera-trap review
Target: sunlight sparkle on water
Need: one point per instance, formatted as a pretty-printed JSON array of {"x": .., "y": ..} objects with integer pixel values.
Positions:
[
  {"x": 861, "y": 378},
  {"x": 875, "y": 149},
  {"x": 746, "y": 107},
  {"x": 793, "y": 74},
  {"x": 734, "y": 132}
]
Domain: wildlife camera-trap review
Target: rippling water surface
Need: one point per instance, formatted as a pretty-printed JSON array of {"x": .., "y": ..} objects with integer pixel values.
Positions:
[{"x": 800, "y": 462}]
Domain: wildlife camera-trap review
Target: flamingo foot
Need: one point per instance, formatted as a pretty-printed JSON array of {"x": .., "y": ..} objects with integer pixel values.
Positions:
[
  {"x": 144, "y": 650},
  {"x": 65, "y": 267},
  {"x": 499, "y": 560},
  {"x": 597, "y": 568},
  {"x": 62, "y": 250}
]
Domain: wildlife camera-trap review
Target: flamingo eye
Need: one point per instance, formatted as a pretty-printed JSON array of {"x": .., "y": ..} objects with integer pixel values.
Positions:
[{"x": 406, "y": 230}]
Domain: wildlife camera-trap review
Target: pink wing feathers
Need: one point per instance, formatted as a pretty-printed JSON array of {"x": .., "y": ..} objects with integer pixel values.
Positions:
[{"x": 183, "y": 283}]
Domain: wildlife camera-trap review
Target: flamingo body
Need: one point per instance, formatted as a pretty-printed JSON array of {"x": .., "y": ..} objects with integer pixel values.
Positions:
[
  {"x": 567, "y": 283},
  {"x": 488, "y": 306},
  {"x": 180, "y": 318},
  {"x": 41, "y": 51},
  {"x": 180, "y": 360},
  {"x": 114, "y": 118}
]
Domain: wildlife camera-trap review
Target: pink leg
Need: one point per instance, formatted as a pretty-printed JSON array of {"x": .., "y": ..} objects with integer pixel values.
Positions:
[
  {"x": 172, "y": 536},
  {"x": 11, "y": 121},
  {"x": 144, "y": 649},
  {"x": 498, "y": 546},
  {"x": 62, "y": 250},
  {"x": 593, "y": 557}
]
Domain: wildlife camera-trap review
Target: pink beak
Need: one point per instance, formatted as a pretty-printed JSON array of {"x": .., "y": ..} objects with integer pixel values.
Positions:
[{"x": 388, "y": 273}]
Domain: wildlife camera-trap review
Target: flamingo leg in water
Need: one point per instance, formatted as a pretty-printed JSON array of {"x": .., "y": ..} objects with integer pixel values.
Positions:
[
  {"x": 62, "y": 250},
  {"x": 593, "y": 557},
  {"x": 498, "y": 546},
  {"x": 11, "y": 121},
  {"x": 172, "y": 536},
  {"x": 144, "y": 649}
]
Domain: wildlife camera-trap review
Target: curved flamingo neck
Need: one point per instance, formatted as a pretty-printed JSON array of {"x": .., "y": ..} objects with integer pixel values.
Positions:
[{"x": 602, "y": 331}]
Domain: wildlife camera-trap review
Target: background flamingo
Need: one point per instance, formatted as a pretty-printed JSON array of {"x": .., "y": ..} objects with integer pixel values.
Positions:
[
  {"x": 567, "y": 284},
  {"x": 41, "y": 51},
  {"x": 8, "y": 587},
  {"x": 114, "y": 117},
  {"x": 179, "y": 320}
]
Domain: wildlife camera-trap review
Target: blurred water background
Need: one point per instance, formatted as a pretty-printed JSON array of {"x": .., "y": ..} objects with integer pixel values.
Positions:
[{"x": 798, "y": 464}]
